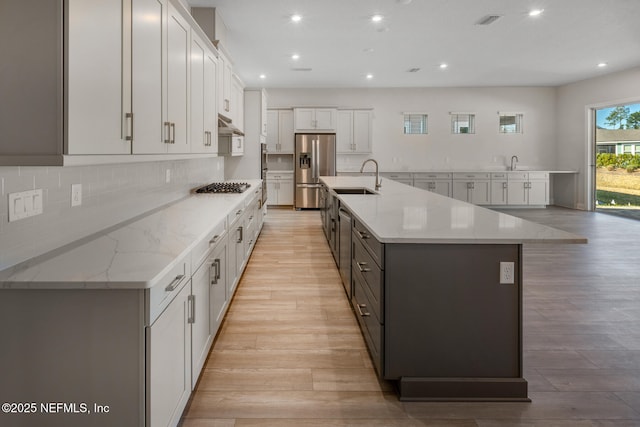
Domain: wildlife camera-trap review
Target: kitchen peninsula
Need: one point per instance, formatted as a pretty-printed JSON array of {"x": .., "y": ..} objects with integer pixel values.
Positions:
[{"x": 436, "y": 285}]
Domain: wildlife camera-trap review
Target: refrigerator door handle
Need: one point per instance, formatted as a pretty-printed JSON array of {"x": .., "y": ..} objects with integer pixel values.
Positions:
[
  {"x": 314, "y": 159},
  {"x": 309, "y": 185}
]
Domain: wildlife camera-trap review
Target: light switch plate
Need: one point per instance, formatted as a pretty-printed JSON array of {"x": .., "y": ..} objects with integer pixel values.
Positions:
[
  {"x": 76, "y": 194},
  {"x": 25, "y": 204}
]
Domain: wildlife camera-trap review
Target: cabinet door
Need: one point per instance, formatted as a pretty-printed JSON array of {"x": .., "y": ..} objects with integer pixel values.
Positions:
[
  {"x": 237, "y": 145},
  {"x": 177, "y": 77},
  {"x": 461, "y": 190},
  {"x": 201, "y": 333},
  {"x": 443, "y": 188},
  {"x": 218, "y": 282},
  {"x": 272, "y": 192},
  {"x": 263, "y": 113},
  {"x": 325, "y": 119},
  {"x": 362, "y": 131},
  {"x": 304, "y": 118},
  {"x": 168, "y": 362},
  {"x": 344, "y": 132},
  {"x": 517, "y": 193},
  {"x": 197, "y": 134},
  {"x": 499, "y": 192},
  {"x": 148, "y": 20},
  {"x": 237, "y": 104},
  {"x": 539, "y": 192},
  {"x": 210, "y": 102},
  {"x": 273, "y": 133},
  {"x": 481, "y": 192},
  {"x": 98, "y": 69},
  {"x": 285, "y": 192},
  {"x": 287, "y": 135}
]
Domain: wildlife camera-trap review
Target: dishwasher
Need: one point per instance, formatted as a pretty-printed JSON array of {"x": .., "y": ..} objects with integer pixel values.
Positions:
[{"x": 344, "y": 220}]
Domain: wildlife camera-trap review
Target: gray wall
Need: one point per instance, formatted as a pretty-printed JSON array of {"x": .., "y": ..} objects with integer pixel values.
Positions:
[{"x": 110, "y": 194}]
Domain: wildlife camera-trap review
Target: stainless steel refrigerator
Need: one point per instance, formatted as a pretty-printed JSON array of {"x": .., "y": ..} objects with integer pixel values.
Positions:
[{"x": 315, "y": 157}]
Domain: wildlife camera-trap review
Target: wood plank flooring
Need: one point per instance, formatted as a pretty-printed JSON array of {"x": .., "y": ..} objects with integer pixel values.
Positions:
[{"x": 290, "y": 352}]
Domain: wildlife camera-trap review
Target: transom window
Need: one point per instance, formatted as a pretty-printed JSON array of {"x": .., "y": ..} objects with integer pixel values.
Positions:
[
  {"x": 463, "y": 123},
  {"x": 415, "y": 123},
  {"x": 510, "y": 122}
]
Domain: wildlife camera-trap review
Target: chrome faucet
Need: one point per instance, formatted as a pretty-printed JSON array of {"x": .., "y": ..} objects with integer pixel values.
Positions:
[
  {"x": 513, "y": 167},
  {"x": 378, "y": 182}
]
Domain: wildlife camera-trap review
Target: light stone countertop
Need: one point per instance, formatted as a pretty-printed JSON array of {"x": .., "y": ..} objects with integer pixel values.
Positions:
[
  {"x": 400, "y": 213},
  {"x": 135, "y": 255}
]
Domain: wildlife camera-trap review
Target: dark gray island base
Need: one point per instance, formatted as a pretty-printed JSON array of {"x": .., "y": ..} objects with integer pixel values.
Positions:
[
  {"x": 439, "y": 309},
  {"x": 437, "y": 320}
]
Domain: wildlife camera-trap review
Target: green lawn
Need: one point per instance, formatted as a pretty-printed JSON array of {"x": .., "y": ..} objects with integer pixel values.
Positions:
[{"x": 609, "y": 198}]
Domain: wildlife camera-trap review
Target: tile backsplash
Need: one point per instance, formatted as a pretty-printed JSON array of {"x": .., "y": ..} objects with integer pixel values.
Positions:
[{"x": 111, "y": 194}]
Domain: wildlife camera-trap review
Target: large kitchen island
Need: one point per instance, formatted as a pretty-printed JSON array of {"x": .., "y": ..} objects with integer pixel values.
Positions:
[{"x": 436, "y": 286}]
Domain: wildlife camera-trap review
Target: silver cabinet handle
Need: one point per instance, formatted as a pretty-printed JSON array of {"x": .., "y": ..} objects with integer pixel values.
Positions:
[
  {"x": 167, "y": 126},
  {"x": 173, "y": 129},
  {"x": 216, "y": 271},
  {"x": 241, "y": 234},
  {"x": 191, "y": 300},
  {"x": 214, "y": 239},
  {"x": 361, "y": 306},
  {"x": 238, "y": 212},
  {"x": 504, "y": 185},
  {"x": 362, "y": 268},
  {"x": 363, "y": 235},
  {"x": 129, "y": 136},
  {"x": 174, "y": 283}
]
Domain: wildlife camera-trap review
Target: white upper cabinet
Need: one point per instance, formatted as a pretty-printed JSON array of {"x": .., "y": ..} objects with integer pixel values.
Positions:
[
  {"x": 280, "y": 134},
  {"x": 237, "y": 103},
  {"x": 148, "y": 24},
  {"x": 225, "y": 72},
  {"x": 354, "y": 131},
  {"x": 99, "y": 76},
  {"x": 315, "y": 119},
  {"x": 204, "y": 125}
]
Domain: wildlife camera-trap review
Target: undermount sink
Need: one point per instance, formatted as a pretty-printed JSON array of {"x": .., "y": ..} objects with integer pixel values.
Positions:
[{"x": 361, "y": 190}]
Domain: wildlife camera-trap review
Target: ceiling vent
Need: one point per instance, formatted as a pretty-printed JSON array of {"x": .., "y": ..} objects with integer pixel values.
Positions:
[
  {"x": 301, "y": 69},
  {"x": 488, "y": 20},
  {"x": 413, "y": 70}
]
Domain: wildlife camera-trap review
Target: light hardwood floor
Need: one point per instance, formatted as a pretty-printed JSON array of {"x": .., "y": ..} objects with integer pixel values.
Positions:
[{"x": 290, "y": 352}]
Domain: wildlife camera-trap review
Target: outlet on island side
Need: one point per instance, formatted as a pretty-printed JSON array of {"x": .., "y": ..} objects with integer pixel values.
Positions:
[{"x": 507, "y": 273}]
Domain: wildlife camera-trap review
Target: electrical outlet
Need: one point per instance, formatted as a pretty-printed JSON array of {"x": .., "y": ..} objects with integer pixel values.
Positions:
[
  {"x": 76, "y": 195},
  {"x": 507, "y": 273}
]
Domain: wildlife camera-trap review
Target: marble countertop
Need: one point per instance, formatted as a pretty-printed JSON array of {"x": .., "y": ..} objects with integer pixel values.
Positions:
[
  {"x": 134, "y": 255},
  {"x": 403, "y": 214}
]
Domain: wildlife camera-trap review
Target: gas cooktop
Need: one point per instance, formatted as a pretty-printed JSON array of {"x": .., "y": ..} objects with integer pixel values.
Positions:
[{"x": 223, "y": 187}]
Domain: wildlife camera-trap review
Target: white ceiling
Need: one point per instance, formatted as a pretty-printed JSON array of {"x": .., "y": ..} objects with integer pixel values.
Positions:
[{"x": 563, "y": 45}]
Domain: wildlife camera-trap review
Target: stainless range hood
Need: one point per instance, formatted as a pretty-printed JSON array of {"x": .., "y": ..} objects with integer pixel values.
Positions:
[{"x": 226, "y": 127}]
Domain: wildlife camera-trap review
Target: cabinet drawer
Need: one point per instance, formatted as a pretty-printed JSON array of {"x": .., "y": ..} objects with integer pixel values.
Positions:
[
  {"x": 372, "y": 330},
  {"x": 200, "y": 251},
  {"x": 499, "y": 176},
  {"x": 427, "y": 176},
  {"x": 160, "y": 295},
  {"x": 518, "y": 176},
  {"x": 363, "y": 265},
  {"x": 363, "y": 235},
  {"x": 397, "y": 175},
  {"x": 471, "y": 175},
  {"x": 235, "y": 215},
  {"x": 538, "y": 175}
]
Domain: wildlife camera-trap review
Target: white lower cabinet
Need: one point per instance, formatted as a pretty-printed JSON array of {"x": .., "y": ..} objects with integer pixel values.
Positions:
[
  {"x": 403, "y": 177},
  {"x": 499, "y": 187},
  {"x": 169, "y": 362},
  {"x": 528, "y": 188},
  {"x": 472, "y": 187},
  {"x": 280, "y": 188},
  {"x": 437, "y": 182}
]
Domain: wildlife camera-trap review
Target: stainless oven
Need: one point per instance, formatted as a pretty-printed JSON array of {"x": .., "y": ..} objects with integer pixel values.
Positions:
[{"x": 264, "y": 169}]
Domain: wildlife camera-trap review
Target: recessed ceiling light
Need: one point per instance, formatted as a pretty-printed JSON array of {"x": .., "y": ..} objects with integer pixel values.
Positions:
[
  {"x": 369, "y": 76},
  {"x": 376, "y": 18},
  {"x": 368, "y": 50},
  {"x": 295, "y": 56},
  {"x": 443, "y": 66},
  {"x": 296, "y": 18},
  {"x": 536, "y": 12},
  {"x": 602, "y": 64},
  {"x": 262, "y": 76}
]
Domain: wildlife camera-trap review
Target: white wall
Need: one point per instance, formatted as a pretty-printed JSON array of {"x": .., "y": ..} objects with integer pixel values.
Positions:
[
  {"x": 574, "y": 102},
  {"x": 111, "y": 194},
  {"x": 440, "y": 149}
]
